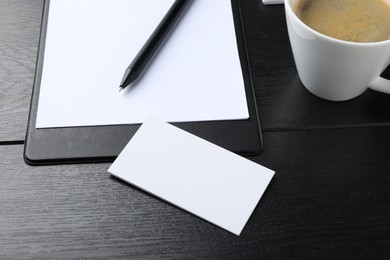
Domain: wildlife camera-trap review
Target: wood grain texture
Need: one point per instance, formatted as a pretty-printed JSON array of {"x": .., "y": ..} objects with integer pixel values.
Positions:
[
  {"x": 19, "y": 36},
  {"x": 329, "y": 199}
]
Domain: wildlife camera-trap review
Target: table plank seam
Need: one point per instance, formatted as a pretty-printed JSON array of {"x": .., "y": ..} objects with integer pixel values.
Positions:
[
  {"x": 321, "y": 128},
  {"x": 8, "y": 143}
]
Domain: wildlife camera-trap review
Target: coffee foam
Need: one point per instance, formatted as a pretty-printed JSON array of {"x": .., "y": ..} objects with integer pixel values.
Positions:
[{"x": 349, "y": 20}]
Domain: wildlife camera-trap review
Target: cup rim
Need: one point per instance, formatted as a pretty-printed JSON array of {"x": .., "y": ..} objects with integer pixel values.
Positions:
[{"x": 288, "y": 7}]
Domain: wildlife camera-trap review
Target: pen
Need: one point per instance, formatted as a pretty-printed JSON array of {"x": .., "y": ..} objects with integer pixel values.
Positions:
[{"x": 146, "y": 53}]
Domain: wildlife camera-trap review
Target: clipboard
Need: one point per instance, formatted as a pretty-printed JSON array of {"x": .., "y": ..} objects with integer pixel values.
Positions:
[{"x": 89, "y": 144}]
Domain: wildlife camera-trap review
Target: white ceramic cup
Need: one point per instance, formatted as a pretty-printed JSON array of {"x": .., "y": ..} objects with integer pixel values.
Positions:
[{"x": 334, "y": 69}]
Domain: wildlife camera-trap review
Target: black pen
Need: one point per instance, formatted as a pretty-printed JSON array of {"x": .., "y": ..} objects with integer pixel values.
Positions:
[{"x": 145, "y": 54}]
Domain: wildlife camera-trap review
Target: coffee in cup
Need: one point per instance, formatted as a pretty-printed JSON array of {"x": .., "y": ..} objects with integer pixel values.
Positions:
[
  {"x": 348, "y": 20},
  {"x": 336, "y": 69}
]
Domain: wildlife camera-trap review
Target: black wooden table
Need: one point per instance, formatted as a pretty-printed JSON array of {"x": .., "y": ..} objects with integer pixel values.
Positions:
[{"x": 329, "y": 198}]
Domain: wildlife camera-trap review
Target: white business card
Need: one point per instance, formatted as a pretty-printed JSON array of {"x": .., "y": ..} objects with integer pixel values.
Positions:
[{"x": 193, "y": 174}]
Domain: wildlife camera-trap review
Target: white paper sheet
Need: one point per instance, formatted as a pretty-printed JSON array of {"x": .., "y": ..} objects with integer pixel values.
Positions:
[
  {"x": 196, "y": 76},
  {"x": 193, "y": 174}
]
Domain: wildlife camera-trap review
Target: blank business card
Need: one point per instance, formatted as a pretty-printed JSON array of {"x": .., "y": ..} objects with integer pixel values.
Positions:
[{"x": 193, "y": 174}]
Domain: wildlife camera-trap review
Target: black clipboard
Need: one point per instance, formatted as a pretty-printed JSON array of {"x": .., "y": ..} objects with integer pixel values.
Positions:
[{"x": 104, "y": 143}]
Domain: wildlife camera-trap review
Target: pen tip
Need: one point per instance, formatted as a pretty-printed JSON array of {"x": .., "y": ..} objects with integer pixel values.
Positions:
[{"x": 120, "y": 88}]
